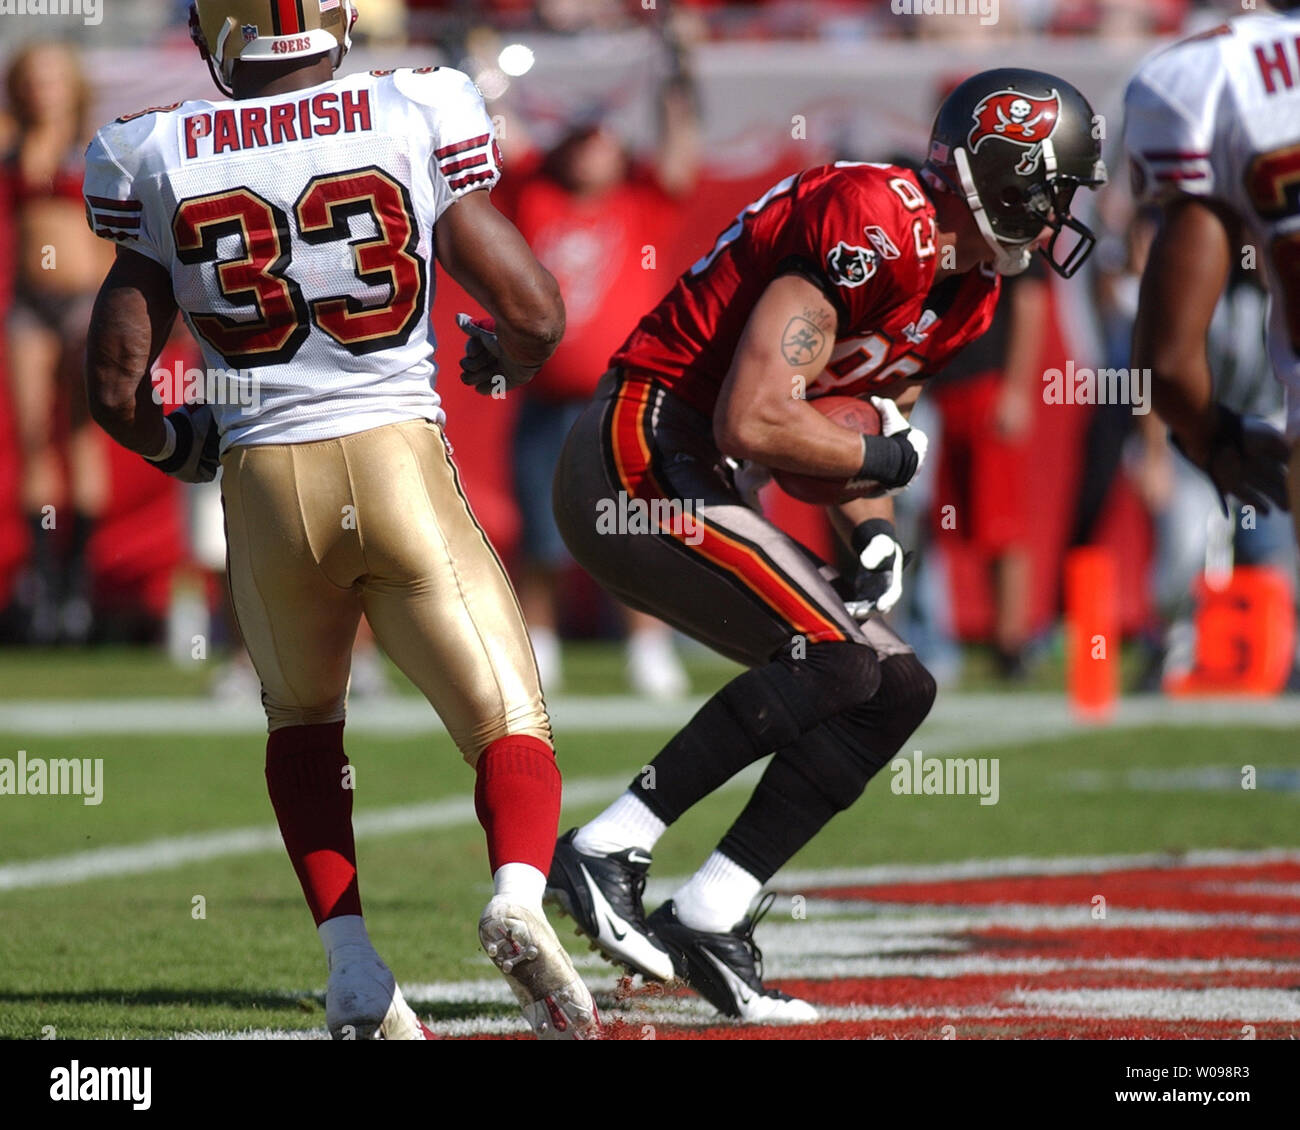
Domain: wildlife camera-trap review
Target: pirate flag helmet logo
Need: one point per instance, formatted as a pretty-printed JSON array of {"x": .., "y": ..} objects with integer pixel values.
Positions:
[
  {"x": 1016, "y": 145},
  {"x": 1018, "y": 118}
]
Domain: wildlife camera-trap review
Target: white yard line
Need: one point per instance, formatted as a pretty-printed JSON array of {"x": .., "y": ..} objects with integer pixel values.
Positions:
[
  {"x": 1003, "y": 717},
  {"x": 403, "y": 714},
  {"x": 960, "y": 723},
  {"x": 1248, "y": 1006},
  {"x": 1242, "y": 1005},
  {"x": 169, "y": 852}
]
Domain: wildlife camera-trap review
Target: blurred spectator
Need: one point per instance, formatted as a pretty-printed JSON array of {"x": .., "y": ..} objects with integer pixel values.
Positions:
[
  {"x": 600, "y": 223},
  {"x": 986, "y": 398},
  {"x": 1116, "y": 19},
  {"x": 1116, "y": 277},
  {"x": 58, "y": 267}
]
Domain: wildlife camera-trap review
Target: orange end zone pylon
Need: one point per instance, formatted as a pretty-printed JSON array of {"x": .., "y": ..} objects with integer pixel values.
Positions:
[{"x": 1092, "y": 632}]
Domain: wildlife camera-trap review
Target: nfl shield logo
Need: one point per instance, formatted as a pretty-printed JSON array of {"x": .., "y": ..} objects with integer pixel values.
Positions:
[{"x": 250, "y": 32}]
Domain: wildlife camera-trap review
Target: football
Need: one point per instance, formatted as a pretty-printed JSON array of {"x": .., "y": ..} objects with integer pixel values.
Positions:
[{"x": 848, "y": 412}]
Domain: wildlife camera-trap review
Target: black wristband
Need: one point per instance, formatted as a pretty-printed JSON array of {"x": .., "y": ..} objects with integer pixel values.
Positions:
[
  {"x": 184, "y": 442},
  {"x": 888, "y": 460},
  {"x": 863, "y": 532}
]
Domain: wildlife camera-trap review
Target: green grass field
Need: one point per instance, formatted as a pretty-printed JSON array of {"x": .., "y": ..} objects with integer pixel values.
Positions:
[{"x": 127, "y": 956}]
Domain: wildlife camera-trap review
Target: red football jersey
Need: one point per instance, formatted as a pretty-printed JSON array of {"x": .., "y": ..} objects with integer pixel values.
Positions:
[{"x": 865, "y": 235}]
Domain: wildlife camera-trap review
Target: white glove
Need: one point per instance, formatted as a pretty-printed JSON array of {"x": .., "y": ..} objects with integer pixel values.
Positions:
[
  {"x": 879, "y": 580},
  {"x": 749, "y": 478},
  {"x": 894, "y": 423}
]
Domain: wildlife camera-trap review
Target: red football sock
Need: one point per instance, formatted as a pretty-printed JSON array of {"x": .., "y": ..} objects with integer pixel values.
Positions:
[
  {"x": 304, "y": 775},
  {"x": 517, "y": 798}
]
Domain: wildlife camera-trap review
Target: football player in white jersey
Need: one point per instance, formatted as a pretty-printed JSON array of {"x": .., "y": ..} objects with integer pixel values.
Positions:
[
  {"x": 1212, "y": 129},
  {"x": 294, "y": 226}
]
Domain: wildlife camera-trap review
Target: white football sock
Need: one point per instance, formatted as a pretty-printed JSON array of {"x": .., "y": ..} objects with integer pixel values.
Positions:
[
  {"x": 626, "y": 823},
  {"x": 652, "y": 664},
  {"x": 717, "y": 896},
  {"x": 521, "y": 883},
  {"x": 345, "y": 930},
  {"x": 546, "y": 649}
]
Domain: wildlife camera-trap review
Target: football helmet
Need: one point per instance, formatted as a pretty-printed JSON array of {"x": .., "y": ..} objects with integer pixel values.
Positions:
[
  {"x": 227, "y": 32},
  {"x": 1016, "y": 145}
]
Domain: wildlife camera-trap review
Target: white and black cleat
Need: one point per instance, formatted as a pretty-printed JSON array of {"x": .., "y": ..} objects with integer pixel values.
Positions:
[
  {"x": 726, "y": 969},
  {"x": 523, "y": 946},
  {"x": 602, "y": 894}
]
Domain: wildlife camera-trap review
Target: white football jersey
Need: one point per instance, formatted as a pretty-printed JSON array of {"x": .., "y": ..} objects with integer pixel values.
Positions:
[
  {"x": 1218, "y": 115},
  {"x": 298, "y": 232}
]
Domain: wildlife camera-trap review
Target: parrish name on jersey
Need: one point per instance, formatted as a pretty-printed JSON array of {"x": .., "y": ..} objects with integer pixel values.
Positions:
[{"x": 213, "y": 132}]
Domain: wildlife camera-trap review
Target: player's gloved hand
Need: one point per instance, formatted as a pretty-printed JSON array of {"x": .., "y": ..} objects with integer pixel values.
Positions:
[
  {"x": 878, "y": 583},
  {"x": 193, "y": 441},
  {"x": 892, "y": 458},
  {"x": 485, "y": 366},
  {"x": 1247, "y": 459}
]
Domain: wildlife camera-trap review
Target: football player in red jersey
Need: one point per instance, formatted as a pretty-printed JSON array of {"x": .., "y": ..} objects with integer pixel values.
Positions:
[{"x": 850, "y": 279}]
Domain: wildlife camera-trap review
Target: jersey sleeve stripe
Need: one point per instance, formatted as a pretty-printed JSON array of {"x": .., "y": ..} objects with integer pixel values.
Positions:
[
  {"x": 114, "y": 205},
  {"x": 128, "y": 222},
  {"x": 451, "y": 167},
  {"x": 471, "y": 178},
  {"x": 1181, "y": 174},
  {"x": 462, "y": 146}
]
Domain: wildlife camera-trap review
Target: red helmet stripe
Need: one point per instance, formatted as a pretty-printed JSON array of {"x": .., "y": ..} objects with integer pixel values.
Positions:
[{"x": 287, "y": 17}]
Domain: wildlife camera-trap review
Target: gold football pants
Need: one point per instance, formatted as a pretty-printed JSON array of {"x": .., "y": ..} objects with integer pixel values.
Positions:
[{"x": 374, "y": 522}]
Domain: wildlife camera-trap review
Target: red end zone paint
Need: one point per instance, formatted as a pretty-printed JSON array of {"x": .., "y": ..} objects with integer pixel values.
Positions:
[
  {"x": 1257, "y": 889},
  {"x": 1183, "y": 953}
]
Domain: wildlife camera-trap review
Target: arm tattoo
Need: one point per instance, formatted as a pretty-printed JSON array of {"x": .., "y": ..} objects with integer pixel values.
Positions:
[{"x": 801, "y": 342}]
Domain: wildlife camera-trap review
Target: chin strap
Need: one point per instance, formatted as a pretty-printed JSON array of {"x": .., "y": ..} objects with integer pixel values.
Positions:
[
  {"x": 1006, "y": 260},
  {"x": 216, "y": 78}
]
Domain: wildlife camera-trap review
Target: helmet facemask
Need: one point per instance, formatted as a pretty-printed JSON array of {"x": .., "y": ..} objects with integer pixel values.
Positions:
[{"x": 1011, "y": 224}]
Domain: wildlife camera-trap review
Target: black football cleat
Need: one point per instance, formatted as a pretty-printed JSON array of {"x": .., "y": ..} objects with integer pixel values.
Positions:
[
  {"x": 602, "y": 894},
  {"x": 726, "y": 969}
]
